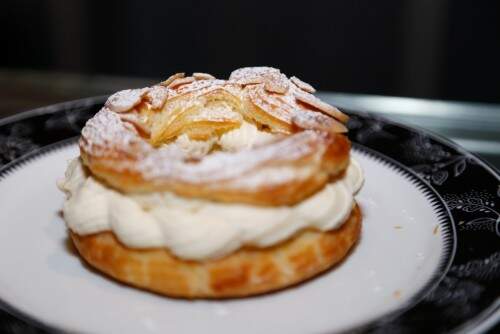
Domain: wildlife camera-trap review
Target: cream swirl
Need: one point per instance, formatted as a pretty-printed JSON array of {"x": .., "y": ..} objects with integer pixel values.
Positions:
[
  {"x": 196, "y": 229},
  {"x": 246, "y": 136}
]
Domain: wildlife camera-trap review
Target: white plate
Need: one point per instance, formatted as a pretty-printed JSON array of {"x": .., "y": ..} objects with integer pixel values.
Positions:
[{"x": 403, "y": 249}]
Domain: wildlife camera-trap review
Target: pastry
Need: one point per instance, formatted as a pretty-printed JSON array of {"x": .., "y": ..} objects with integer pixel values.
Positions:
[{"x": 206, "y": 188}]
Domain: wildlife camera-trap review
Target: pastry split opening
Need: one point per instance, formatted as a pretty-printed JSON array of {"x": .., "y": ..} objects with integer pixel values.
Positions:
[{"x": 213, "y": 122}]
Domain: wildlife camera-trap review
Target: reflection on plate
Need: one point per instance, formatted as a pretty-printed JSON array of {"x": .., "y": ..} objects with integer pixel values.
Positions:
[{"x": 429, "y": 248}]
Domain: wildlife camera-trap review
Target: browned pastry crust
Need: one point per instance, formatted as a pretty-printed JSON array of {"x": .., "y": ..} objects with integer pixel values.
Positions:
[
  {"x": 219, "y": 176},
  {"x": 123, "y": 143},
  {"x": 248, "y": 271}
]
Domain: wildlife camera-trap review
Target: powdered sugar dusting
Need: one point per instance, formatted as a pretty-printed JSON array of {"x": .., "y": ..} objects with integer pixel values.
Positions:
[
  {"x": 269, "y": 103},
  {"x": 158, "y": 95},
  {"x": 137, "y": 121},
  {"x": 201, "y": 86},
  {"x": 181, "y": 81},
  {"x": 303, "y": 85},
  {"x": 117, "y": 141},
  {"x": 105, "y": 135},
  {"x": 273, "y": 176},
  {"x": 309, "y": 120},
  {"x": 250, "y": 75},
  {"x": 225, "y": 166},
  {"x": 171, "y": 78},
  {"x": 125, "y": 100},
  {"x": 203, "y": 76},
  {"x": 274, "y": 81},
  {"x": 279, "y": 88},
  {"x": 320, "y": 105}
]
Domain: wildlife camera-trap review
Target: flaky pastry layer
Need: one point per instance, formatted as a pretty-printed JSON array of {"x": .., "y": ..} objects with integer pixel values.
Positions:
[{"x": 125, "y": 143}]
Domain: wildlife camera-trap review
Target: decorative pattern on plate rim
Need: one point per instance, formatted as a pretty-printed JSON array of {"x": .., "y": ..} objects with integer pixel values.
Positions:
[{"x": 469, "y": 292}]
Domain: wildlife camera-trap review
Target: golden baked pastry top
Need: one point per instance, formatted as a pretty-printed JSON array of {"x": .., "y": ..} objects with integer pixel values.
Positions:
[{"x": 127, "y": 143}]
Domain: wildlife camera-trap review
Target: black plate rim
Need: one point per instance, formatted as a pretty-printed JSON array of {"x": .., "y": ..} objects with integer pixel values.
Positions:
[{"x": 485, "y": 316}]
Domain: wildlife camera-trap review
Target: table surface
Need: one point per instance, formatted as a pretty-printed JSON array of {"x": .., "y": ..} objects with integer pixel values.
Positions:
[{"x": 475, "y": 126}]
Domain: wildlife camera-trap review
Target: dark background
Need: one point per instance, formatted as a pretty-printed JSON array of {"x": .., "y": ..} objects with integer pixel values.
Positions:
[
  {"x": 421, "y": 48},
  {"x": 438, "y": 49}
]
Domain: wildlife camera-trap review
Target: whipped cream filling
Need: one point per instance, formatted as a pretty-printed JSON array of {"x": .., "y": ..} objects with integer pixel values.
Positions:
[
  {"x": 246, "y": 136},
  {"x": 195, "y": 229}
]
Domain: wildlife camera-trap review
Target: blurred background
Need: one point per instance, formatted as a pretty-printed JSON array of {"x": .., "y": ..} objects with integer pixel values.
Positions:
[
  {"x": 428, "y": 63},
  {"x": 443, "y": 50},
  {"x": 438, "y": 49}
]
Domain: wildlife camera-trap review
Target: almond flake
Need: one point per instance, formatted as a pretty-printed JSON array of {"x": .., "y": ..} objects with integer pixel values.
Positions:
[
  {"x": 324, "y": 107},
  {"x": 276, "y": 84},
  {"x": 172, "y": 78},
  {"x": 303, "y": 85},
  {"x": 125, "y": 100},
  {"x": 181, "y": 81},
  {"x": 311, "y": 120},
  {"x": 203, "y": 76},
  {"x": 158, "y": 95}
]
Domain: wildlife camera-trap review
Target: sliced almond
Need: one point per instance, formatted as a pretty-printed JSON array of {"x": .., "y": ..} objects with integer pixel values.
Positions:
[
  {"x": 254, "y": 75},
  {"x": 158, "y": 95},
  {"x": 311, "y": 120},
  {"x": 181, "y": 81},
  {"x": 125, "y": 100},
  {"x": 172, "y": 78},
  {"x": 313, "y": 101},
  {"x": 303, "y": 85},
  {"x": 276, "y": 84},
  {"x": 249, "y": 73},
  {"x": 249, "y": 81},
  {"x": 271, "y": 105},
  {"x": 203, "y": 76}
]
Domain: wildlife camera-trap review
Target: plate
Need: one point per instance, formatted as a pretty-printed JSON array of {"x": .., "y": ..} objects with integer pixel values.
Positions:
[{"x": 428, "y": 258}]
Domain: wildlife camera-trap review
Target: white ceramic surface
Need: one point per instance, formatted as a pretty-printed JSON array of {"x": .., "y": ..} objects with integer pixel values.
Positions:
[{"x": 397, "y": 254}]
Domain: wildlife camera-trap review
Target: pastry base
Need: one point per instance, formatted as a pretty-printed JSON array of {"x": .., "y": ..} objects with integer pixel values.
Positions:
[{"x": 246, "y": 272}]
